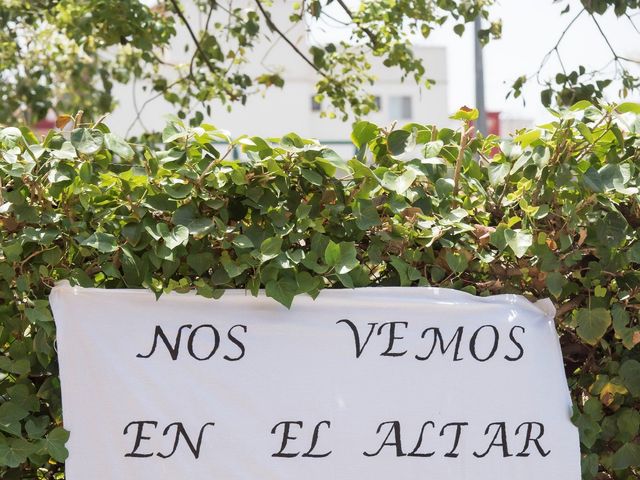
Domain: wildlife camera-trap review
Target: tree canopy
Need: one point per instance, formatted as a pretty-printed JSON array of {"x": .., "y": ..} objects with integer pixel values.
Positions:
[{"x": 66, "y": 55}]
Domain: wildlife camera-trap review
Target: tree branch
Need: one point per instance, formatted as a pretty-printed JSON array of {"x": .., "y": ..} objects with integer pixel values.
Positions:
[
  {"x": 372, "y": 36},
  {"x": 193, "y": 36},
  {"x": 616, "y": 57},
  {"x": 273, "y": 27},
  {"x": 464, "y": 139}
]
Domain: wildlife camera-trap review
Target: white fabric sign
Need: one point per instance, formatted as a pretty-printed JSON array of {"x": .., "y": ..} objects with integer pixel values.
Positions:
[{"x": 364, "y": 384}]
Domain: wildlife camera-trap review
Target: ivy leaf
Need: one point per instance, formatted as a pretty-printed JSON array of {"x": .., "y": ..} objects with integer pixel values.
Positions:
[
  {"x": 14, "y": 451},
  {"x": 118, "y": 146},
  {"x": 363, "y": 132},
  {"x": 628, "y": 422},
  {"x": 200, "y": 262},
  {"x": 36, "y": 426},
  {"x": 174, "y": 131},
  {"x": 39, "y": 314},
  {"x": 398, "y": 140},
  {"x": 630, "y": 374},
  {"x": 593, "y": 324},
  {"x": 366, "y": 214},
  {"x": 456, "y": 261},
  {"x": 20, "y": 366},
  {"x": 87, "y": 141},
  {"x": 311, "y": 176},
  {"x": 627, "y": 107},
  {"x": 231, "y": 267},
  {"x": 55, "y": 444},
  {"x": 467, "y": 114},
  {"x": 178, "y": 236},
  {"x": 282, "y": 290},
  {"x": 103, "y": 242},
  {"x": 628, "y": 455},
  {"x": 399, "y": 183},
  {"x": 342, "y": 256},
  {"x": 243, "y": 241},
  {"x": 498, "y": 172},
  {"x": 555, "y": 282},
  {"x": 10, "y": 415},
  {"x": 270, "y": 248},
  {"x": 518, "y": 240},
  {"x": 589, "y": 429},
  {"x": 11, "y": 135}
]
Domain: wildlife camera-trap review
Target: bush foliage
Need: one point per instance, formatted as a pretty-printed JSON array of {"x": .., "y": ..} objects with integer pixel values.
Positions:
[{"x": 550, "y": 212}]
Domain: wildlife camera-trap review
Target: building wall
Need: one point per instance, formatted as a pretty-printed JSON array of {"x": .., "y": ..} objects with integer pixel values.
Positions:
[{"x": 280, "y": 111}]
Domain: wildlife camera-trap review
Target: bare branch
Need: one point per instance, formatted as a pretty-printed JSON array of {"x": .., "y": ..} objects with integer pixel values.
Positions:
[
  {"x": 372, "y": 36},
  {"x": 273, "y": 27},
  {"x": 464, "y": 140},
  {"x": 193, "y": 36},
  {"x": 606, "y": 39}
]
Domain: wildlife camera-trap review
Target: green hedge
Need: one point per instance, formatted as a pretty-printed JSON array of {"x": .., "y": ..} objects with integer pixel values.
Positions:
[{"x": 552, "y": 212}]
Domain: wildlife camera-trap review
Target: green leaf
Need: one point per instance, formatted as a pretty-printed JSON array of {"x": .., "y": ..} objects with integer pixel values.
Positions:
[
  {"x": 628, "y": 422},
  {"x": 398, "y": 141},
  {"x": 232, "y": 267},
  {"x": 589, "y": 465},
  {"x": 10, "y": 136},
  {"x": 270, "y": 248},
  {"x": 630, "y": 374},
  {"x": 200, "y": 262},
  {"x": 39, "y": 314},
  {"x": 55, "y": 444},
  {"x": 629, "y": 107},
  {"x": 174, "y": 131},
  {"x": 628, "y": 455},
  {"x": 87, "y": 141},
  {"x": 36, "y": 426},
  {"x": 519, "y": 241},
  {"x": 178, "y": 236},
  {"x": 342, "y": 256},
  {"x": 311, "y": 176},
  {"x": 103, "y": 242},
  {"x": 593, "y": 324},
  {"x": 178, "y": 190},
  {"x": 282, "y": 290},
  {"x": 118, "y": 146},
  {"x": 366, "y": 214},
  {"x": 467, "y": 114},
  {"x": 555, "y": 282},
  {"x": 243, "y": 241},
  {"x": 593, "y": 181},
  {"x": 19, "y": 367},
  {"x": 363, "y": 132},
  {"x": 589, "y": 430},
  {"x": 14, "y": 451},
  {"x": 10, "y": 415},
  {"x": 399, "y": 183},
  {"x": 456, "y": 261},
  {"x": 498, "y": 172}
]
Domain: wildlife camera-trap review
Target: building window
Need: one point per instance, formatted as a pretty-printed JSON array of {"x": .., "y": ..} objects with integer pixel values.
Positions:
[
  {"x": 400, "y": 107},
  {"x": 378, "y": 101},
  {"x": 315, "y": 105}
]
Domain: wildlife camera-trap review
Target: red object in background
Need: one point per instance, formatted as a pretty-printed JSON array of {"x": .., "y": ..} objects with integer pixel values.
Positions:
[
  {"x": 44, "y": 125},
  {"x": 493, "y": 123}
]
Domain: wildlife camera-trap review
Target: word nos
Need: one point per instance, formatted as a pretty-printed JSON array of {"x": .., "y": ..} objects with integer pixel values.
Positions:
[
  {"x": 429, "y": 440},
  {"x": 203, "y": 342}
]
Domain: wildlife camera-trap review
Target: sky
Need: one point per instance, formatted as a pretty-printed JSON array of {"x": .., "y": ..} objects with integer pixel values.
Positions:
[{"x": 530, "y": 28}]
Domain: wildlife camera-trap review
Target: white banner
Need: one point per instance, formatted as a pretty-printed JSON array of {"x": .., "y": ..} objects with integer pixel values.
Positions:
[{"x": 364, "y": 384}]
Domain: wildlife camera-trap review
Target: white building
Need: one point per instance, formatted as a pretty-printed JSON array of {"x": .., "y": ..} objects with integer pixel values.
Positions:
[{"x": 292, "y": 108}]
